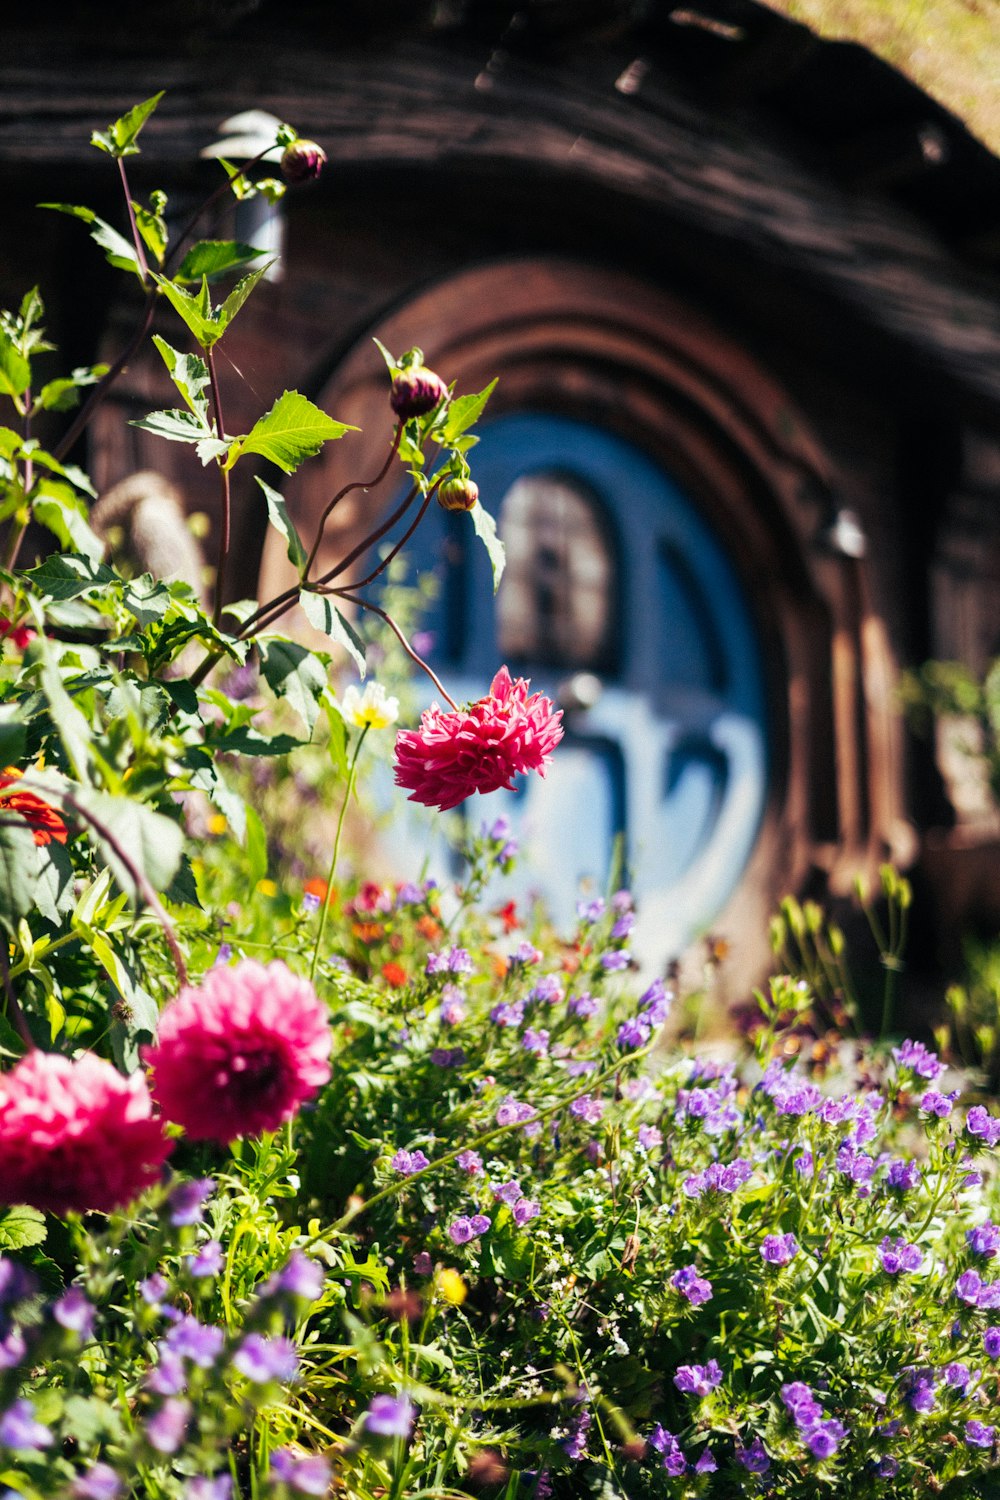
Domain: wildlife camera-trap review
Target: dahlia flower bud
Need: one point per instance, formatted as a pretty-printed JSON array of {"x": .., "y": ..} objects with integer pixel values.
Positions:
[
  {"x": 416, "y": 391},
  {"x": 458, "y": 494},
  {"x": 302, "y": 161}
]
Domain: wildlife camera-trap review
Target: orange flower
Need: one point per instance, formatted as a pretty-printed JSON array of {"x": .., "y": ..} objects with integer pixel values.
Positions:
[
  {"x": 43, "y": 820},
  {"x": 368, "y": 932},
  {"x": 499, "y": 965},
  {"x": 428, "y": 928},
  {"x": 394, "y": 974},
  {"x": 318, "y": 888}
]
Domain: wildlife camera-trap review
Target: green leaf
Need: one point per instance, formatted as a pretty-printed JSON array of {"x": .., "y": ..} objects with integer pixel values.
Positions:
[
  {"x": 149, "y": 840},
  {"x": 239, "y": 295},
  {"x": 148, "y": 598},
  {"x": 293, "y": 430},
  {"x": 119, "y": 139},
  {"x": 66, "y": 518},
  {"x": 247, "y": 741},
  {"x": 195, "y": 311},
  {"x": 283, "y": 524},
  {"x": 486, "y": 530},
  {"x": 18, "y": 869},
  {"x": 463, "y": 412},
  {"x": 63, "y": 394},
  {"x": 153, "y": 229},
  {"x": 212, "y": 257},
  {"x": 184, "y": 427},
  {"x": 189, "y": 374},
  {"x": 319, "y": 610},
  {"x": 21, "y": 1227},
  {"x": 67, "y": 576},
  {"x": 293, "y": 672},
  {"x": 70, "y": 472},
  {"x": 117, "y": 250},
  {"x": 72, "y": 726},
  {"x": 15, "y": 370},
  {"x": 54, "y": 896},
  {"x": 12, "y": 734},
  {"x": 392, "y": 363},
  {"x": 256, "y": 836}
]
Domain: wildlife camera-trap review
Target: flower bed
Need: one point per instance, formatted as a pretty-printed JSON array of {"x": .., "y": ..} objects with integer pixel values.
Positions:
[{"x": 385, "y": 1190}]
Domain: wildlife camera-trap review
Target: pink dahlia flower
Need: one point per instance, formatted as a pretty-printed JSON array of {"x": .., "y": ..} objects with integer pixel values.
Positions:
[
  {"x": 76, "y": 1135},
  {"x": 481, "y": 749},
  {"x": 240, "y": 1054}
]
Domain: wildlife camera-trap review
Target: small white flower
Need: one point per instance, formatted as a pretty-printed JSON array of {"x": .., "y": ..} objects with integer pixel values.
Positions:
[{"x": 370, "y": 709}]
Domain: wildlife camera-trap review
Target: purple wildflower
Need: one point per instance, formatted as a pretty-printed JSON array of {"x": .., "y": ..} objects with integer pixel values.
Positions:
[
  {"x": 574, "y": 1444},
  {"x": 635, "y": 1032},
  {"x": 168, "y": 1377},
  {"x": 13, "y": 1348},
  {"x": 801, "y": 1404},
  {"x": 261, "y": 1359},
  {"x": 824, "y": 1439},
  {"x": 583, "y": 1005},
  {"x": 650, "y": 1136},
  {"x": 524, "y": 1210},
  {"x": 390, "y": 1416},
  {"x": 75, "y": 1312},
  {"x": 779, "y": 1249},
  {"x": 589, "y": 912},
  {"x": 452, "y": 1008},
  {"x": 187, "y": 1200},
  {"x": 508, "y": 1013},
  {"x": 153, "y": 1289},
  {"x": 937, "y": 1104},
  {"x": 15, "y": 1282},
  {"x": 100, "y": 1482},
  {"x": 198, "y": 1342},
  {"x": 978, "y": 1435},
  {"x": 896, "y": 1255},
  {"x": 698, "y": 1380},
  {"x": 981, "y": 1124},
  {"x": 207, "y": 1261},
  {"x": 526, "y": 953},
  {"x": 692, "y": 1286},
  {"x": 508, "y": 1192},
  {"x": 616, "y": 960},
  {"x": 984, "y": 1239},
  {"x": 991, "y": 1342},
  {"x": 20, "y": 1430},
  {"x": 968, "y": 1287},
  {"x": 512, "y": 1112},
  {"x": 957, "y": 1375},
  {"x": 307, "y": 1473},
  {"x": 535, "y": 1042},
  {"x": 916, "y": 1057},
  {"x": 587, "y": 1108},
  {"x": 469, "y": 1161},
  {"x": 903, "y": 1175},
  {"x": 209, "y": 1487},
  {"x": 548, "y": 989},
  {"x": 672, "y": 1455},
  {"x": 300, "y": 1276},
  {"x": 422, "y": 1263},
  {"x": 754, "y": 1458},
  {"x": 408, "y": 1162},
  {"x": 167, "y": 1428},
  {"x": 706, "y": 1463}
]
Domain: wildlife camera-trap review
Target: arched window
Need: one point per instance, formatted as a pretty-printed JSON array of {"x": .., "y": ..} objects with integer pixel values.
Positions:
[{"x": 556, "y": 605}]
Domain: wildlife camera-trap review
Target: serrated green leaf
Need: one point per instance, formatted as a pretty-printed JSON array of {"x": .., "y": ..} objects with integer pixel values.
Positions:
[
  {"x": 192, "y": 310},
  {"x": 292, "y": 431},
  {"x": 212, "y": 257},
  {"x": 54, "y": 892},
  {"x": 322, "y": 615},
  {"x": 21, "y": 1227},
  {"x": 282, "y": 522},
  {"x": 189, "y": 374},
  {"x": 486, "y": 530},
  {"x": 120, "y": 137},
  {"x": 18, "y": 869},
  {"x": 462, "y": 412},
  {"x": 117, "y": 250},
  {"x": 15, "y": 370},
  {"x": 68, "y": 576},
  {"x": 153, "y": 229},
  {"x": 239, "y": 295},
  {"x": 63, "y": 394},
  {"x": 149, "y": 840},
  {"x": 177, "y": 426},
  {"x": 66, "y": 518},
  {"x": 293, "y": 672}
]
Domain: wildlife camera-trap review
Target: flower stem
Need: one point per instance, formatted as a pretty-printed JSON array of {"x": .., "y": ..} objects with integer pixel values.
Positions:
[
  {"x": 14, "y": 1012},
  {"x": 401, "y": 638},
  {"x": 352, "y": 772},
  {"x": 224, "y": 523}
]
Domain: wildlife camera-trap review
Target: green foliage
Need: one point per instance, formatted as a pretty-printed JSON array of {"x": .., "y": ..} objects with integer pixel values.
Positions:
[{"x": 292, "y": 431}]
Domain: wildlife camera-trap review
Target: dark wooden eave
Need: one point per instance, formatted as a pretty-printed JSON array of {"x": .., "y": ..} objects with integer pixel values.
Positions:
[{"x": 808, "y": 157}]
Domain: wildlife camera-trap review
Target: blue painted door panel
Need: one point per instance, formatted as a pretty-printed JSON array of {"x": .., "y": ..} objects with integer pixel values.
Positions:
[{"x": 673, "y": 755}]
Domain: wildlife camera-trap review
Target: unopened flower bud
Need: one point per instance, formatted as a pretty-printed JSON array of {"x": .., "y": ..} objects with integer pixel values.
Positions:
[
  {"x": 416, "y": 391},
  {"x": 458, "y": 494},
  {"x": 302, "y": 161}
]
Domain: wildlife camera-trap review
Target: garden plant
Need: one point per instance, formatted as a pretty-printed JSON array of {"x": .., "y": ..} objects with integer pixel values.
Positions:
[{"x": 316, "y": 1184}]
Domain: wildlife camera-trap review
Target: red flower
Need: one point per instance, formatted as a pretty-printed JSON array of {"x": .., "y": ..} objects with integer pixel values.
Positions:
[
  {"x": 394, "y": 974},
  {"x": 242, "y": 1053},
  {"x": 76, "y": 1135},
  {"x": 508, "y": 916},
  {"x": 20, "y": 635},
  {"x": 481, "y": 749},
  {"x": 43, "y": 820}
]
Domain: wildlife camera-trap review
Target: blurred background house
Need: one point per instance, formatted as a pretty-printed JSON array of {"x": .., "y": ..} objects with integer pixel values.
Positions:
[{"x": 740, "y": 288}]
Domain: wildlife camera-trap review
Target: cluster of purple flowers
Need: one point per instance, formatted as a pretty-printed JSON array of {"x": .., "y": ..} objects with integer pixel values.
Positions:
[
  {"x": 523, "y": 1209},
  {"x": 408, "y": 1162},
  {"x": 779, "y": 1249},
  {"x": 822, "y": 1435},
  {"x": 982, "y": 1126},
  {"x": 455, "y": 961},
  {"x": 971, "y": 1288},
  {"x": 717, "y": 1177},
  {"x": 692, "y": 1286},
  {"x": 918, "y": 1059},
  {"x": 698, "y": 1380},
  {"x": 898, "y": 1255},
  {"x": 463, "y": 1229}
]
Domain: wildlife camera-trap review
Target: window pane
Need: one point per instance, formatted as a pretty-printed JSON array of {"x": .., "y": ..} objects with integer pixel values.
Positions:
[{"x": 556, "y": 604}]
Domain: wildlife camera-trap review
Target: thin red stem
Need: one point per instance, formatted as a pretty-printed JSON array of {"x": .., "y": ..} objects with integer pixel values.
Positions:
[
  {"x": 140, "y": 253},
  {"x": 357, "y": 485},
  {"x": 363, "y": 582},
  {"x": 401, "y": 638}
]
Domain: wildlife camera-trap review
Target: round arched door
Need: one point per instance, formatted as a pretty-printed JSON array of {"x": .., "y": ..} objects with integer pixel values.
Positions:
[{"x": 620, "y": 602}]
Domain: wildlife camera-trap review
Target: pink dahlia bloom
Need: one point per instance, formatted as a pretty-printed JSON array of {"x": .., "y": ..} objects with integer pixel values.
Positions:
[
  {"x": 481, "y": 749},
  {"x": 240, "y": 1054},
  {"x": 76, "y": 1135}
]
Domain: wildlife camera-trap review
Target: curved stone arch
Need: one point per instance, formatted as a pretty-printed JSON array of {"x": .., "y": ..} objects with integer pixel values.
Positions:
[{"x": 598, "y": 345}]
